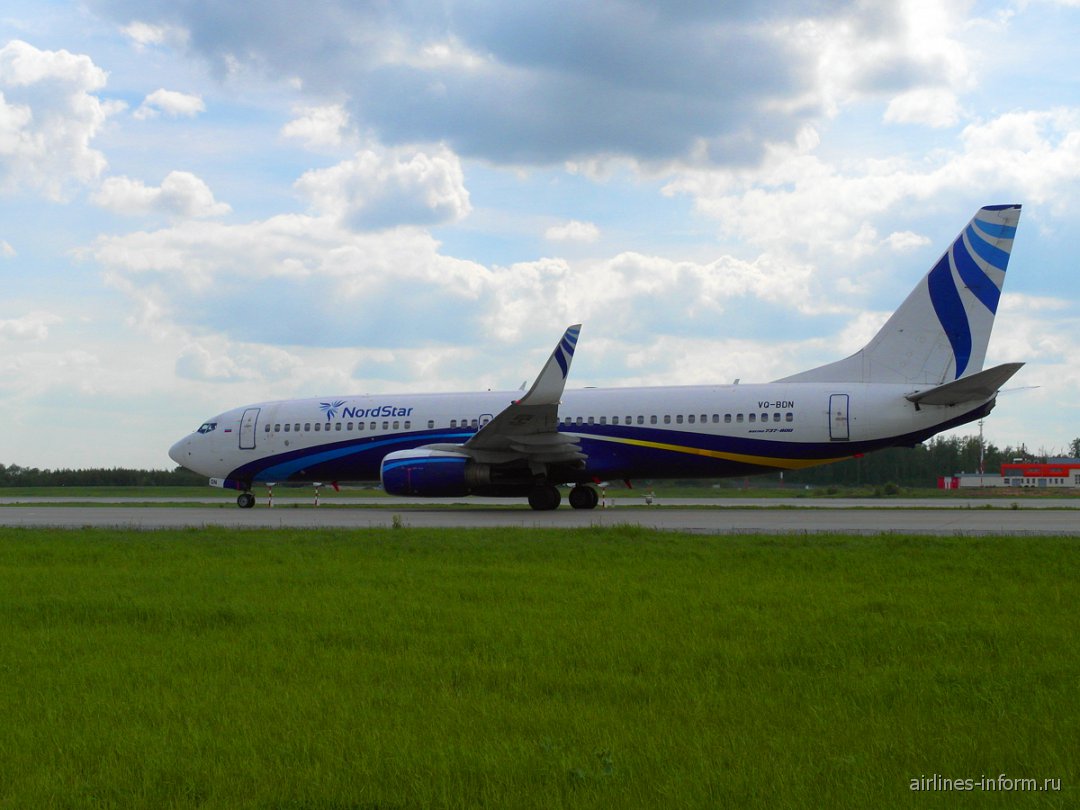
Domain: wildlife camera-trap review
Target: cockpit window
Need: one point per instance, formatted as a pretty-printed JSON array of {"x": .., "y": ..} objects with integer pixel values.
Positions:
[{"x": 207, "y": 427}]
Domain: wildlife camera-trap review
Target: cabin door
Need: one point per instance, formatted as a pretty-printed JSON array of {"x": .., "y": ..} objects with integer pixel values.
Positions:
[
  {"x": 247, "y": 428},
  {"x": 838, "y": 418}
]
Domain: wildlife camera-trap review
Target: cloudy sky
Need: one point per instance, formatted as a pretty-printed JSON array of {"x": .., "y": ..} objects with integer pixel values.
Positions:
[{"x": 209, "y": 204}]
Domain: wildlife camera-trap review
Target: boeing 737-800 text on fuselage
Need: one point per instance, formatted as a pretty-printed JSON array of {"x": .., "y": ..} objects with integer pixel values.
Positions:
[{"x": 920, "y": 374}]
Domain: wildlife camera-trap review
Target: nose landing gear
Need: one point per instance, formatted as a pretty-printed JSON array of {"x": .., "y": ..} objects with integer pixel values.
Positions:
[{"x": 245, "y": 500}]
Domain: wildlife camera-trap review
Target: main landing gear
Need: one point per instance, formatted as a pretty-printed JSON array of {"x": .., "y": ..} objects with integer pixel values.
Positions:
[
  {"x": 245, "y": 500},
  {"x": 545, "y": 497},
  {"x": 583, "y": 497}
]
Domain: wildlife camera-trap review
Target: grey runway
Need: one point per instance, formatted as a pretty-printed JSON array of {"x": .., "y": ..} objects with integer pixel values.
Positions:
[{"x": 866, "y": 520}]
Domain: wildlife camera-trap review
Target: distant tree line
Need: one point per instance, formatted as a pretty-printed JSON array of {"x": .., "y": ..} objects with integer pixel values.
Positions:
[
  {"x": 922, "y": 465},
  {"x": 15, "y": 476}
]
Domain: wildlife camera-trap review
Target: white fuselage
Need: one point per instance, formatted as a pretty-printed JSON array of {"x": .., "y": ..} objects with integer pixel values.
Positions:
[{"x": 684, "y": 431}]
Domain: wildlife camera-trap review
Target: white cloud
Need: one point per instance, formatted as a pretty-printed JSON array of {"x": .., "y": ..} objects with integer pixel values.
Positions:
[
  {"x": 48, "y": 116},
  {"x": 33, "y": 326},
  {"x": 224, "y": 361},
  {"x": 318, "y": 127},
  {"x": 144, "y": 34},
  {"x": 6, "y": 250},
  {"x": 573, "y": 231},
  {"x": 181, "y": 195},
  {"x": 930, "y": 106},
  {"x": 388, "y": 188},
  {"x": 905, "y": 240},
  {"x": 171, "y": 103},
  {"x": 797, "y": 198}
]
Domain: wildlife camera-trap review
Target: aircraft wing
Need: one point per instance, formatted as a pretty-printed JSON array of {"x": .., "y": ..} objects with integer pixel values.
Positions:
[
  {"x": 528, "y": 428},
  {"x": 974, "y": 387}
]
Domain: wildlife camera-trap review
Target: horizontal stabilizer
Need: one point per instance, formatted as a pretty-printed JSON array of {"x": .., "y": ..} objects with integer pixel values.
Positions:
[{"x": 975, "y": 387}]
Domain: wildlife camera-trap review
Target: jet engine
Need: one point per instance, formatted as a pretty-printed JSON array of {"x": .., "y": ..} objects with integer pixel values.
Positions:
[{"x": 432, "y": 473}]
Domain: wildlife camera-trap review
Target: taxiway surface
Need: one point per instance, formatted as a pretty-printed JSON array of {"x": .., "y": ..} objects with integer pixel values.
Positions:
[{"x": 863, "y": 519}]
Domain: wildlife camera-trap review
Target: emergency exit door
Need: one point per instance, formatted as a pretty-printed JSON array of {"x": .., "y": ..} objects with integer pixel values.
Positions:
[{"x": 838, "y": 418}]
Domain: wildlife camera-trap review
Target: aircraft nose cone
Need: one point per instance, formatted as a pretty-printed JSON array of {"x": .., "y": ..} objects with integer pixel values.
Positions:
[{"x": 181, "y": 452}]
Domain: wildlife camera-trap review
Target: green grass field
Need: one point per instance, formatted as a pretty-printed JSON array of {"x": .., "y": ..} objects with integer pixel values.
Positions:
[{"x": 533, "y": 668}]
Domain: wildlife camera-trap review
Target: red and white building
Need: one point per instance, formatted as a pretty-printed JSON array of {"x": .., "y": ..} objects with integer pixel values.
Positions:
[{"x": 1058, "y": 472}]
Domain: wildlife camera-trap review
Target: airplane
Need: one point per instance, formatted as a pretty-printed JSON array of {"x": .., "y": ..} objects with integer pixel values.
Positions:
[{"x": 922, "y": 373}]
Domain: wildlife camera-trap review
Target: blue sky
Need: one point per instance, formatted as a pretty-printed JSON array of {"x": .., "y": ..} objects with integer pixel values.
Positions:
[{"x": 203, "y": 205}]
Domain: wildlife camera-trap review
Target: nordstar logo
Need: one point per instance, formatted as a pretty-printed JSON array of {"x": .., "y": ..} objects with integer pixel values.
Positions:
[{"x": 330, "y": 408}]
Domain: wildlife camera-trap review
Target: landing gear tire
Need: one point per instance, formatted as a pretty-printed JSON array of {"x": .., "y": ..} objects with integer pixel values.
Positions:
[
  {"x": 583, "y": 497},
  {"x": 245, "y": 500},
  {"x": 544, "y": 498}
]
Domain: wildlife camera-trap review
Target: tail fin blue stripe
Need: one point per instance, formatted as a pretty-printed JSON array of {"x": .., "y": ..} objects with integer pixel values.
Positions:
[
  {"x": 950, "y": 312},
  {"x": 565, "y": 366},
  {"x": 995, "y": 230},
  {"x": 987, "y": 252},
  {"x": 973, "y": 276}
]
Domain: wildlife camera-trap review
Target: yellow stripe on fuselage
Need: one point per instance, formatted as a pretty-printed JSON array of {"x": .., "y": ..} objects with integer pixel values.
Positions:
[{"x": 761, "y": 461}]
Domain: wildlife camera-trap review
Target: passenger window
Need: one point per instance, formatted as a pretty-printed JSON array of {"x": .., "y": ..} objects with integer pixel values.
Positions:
[
  {"x": 266, "y": 429},
  {"x": 738, "y": 417},
  {"x": 652, "y": 419},
  {"x": 789, "y": 417},
  {"x": 690, "y": 419},
  {"x": 667, "y": 419},
  {"x": 296, "y": 428},
  {"x": 287, "y": 428},
  {"x": 592, "y": 421},
  {"x": 678, "y": 419},
  {"x": 397, "y": 425},
  {"x": 453, "y": 423},
  {"x": 641, "y": 420},
  {"x": 277, "y": 428},
  {"x": 372, "y": 426},
  {"x": 753, "y": 417},
  {"x": 349, "y": 426},
  {"x": 776, "y": 417},
  {"x": 337, "y": 426},
  {"x": 408, "y": 424},
  {"x": 307, "y": 427},
  {"x": 727, "y": 418},
  {"x": 318, "y": 427},
  {"x": 614, "y": 420},
  {"x": 603, "y": 420},
  {"x": 430, "y": 423},
  {"x": 764, "y": 417},
  {"x": 716, "y": 419},
  {"x": 385, "y": 425}
]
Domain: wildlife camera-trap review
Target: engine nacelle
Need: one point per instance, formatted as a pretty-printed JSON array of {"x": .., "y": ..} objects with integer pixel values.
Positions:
[{"x": 432, "y": 473}]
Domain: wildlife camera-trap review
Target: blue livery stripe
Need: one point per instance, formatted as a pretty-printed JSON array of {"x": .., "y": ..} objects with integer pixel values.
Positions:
[
  {"x": 567, "y": 347},
  {"x": 285, "y": 469},
  {"x": 562, "y": 362},
  {"x": 976, "y": 280},
  {"x": 995, "y": 230},
  {"x": 950, "y": 312},
  {"x": 988, "y": 253}
]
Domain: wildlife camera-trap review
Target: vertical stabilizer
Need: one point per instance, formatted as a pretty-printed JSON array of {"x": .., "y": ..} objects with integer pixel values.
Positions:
[{"x": 941, "y": 331}]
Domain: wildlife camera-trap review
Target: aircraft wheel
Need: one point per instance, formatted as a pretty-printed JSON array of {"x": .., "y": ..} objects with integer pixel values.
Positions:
[
  {"x": 544, "y": 498},
  {"x": 583, "y": 497},
  {"x": 245, "y": 500}
]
